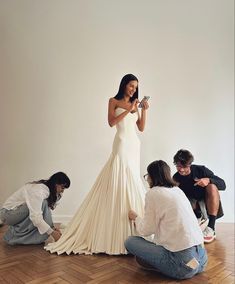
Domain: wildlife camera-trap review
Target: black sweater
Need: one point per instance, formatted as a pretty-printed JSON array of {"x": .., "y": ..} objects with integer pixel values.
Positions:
[{"x": 186, "y": 183}]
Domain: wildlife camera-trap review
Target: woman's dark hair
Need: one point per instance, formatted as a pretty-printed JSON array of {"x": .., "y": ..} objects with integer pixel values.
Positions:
[
  {"x": 125, "y": 80},
  {"x": 160, "y": 174},
  {"x": 59, "y": 178},
  {"x": 184, "y": 157}
]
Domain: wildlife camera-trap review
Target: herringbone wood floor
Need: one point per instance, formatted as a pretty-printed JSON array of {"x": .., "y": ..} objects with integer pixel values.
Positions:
[{"x": 32, "y": 264}]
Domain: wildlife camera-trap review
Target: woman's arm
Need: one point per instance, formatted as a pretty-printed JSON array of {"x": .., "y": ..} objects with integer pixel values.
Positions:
[
  {"x": 112, "y": 119},
  {"x": 145, "y": 226},
  {"x": 142, "y": 119},
  {"x": 34, "y": 199}
]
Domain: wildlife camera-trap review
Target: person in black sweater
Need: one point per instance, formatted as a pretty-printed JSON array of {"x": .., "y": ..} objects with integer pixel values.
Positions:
[{"x": 201, "y": 186}]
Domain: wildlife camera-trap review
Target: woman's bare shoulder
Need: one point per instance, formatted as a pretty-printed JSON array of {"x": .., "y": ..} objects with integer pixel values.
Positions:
[{"x": 113, "y": 100}]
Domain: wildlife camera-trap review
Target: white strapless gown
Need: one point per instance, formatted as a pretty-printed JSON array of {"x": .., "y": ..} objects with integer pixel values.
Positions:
[{"x": 101, "y": 224}]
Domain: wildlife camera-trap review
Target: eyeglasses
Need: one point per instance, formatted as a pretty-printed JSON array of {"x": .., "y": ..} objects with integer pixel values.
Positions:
[
  {"x": 145, "y": 176},
  {"x": 182, "y": 167}
]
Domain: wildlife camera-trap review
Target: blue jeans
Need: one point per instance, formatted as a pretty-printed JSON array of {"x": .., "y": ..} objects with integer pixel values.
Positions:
[
  {"x": 172, "y": 264},
  {"x": 21, "y": 230}
]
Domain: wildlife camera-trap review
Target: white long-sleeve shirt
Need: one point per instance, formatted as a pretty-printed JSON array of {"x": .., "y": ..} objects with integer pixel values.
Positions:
[
  {"x": 33, "y": 195},
  {"x": 169, "y": 216}
]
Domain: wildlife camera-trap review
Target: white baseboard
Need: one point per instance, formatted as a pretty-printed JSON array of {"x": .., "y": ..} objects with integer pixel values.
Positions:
[{"x": 62, "y": 218}]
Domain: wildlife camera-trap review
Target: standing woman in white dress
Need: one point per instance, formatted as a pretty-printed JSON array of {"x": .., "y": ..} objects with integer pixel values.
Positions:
[{"x": 101, "y": 224}]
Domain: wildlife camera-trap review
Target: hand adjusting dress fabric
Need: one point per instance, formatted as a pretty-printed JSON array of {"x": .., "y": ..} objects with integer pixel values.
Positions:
[{"x": 101, "y": 224}]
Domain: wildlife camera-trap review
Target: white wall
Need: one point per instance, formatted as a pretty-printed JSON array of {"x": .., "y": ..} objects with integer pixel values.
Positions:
[{"x": 61, "y": 60}]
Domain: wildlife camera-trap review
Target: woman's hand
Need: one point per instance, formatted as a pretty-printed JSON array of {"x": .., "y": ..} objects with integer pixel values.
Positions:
[
  {"x": 141, "y": 120},
  {"x": 145, "y": 105},
  {"x": 133, "y": 105},
  {"x": 132, "y": 215},
  {"x": 56, "y": 234}
]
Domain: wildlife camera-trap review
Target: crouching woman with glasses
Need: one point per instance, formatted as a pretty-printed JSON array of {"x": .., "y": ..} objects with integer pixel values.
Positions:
[
  {"x": 177, "y": 249},
  {"x": 27, "y": 212}
]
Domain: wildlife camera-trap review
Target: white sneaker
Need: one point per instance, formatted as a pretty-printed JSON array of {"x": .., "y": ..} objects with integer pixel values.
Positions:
[
  {"x": 209, "y": 235},
  {"x": 203, "y": 223}
]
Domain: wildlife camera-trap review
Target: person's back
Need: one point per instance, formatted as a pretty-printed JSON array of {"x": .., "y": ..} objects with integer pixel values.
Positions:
[
  {"x": 176, "y": 225},
  {"x": 23, "y": 194}
]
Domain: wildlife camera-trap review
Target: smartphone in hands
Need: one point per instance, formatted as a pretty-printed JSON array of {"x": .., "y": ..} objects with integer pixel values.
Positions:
[{"x": 145, "y": 99}]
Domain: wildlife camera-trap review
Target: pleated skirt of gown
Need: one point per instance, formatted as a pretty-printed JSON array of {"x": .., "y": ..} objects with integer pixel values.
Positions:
[{"x": 101, "y": 224}]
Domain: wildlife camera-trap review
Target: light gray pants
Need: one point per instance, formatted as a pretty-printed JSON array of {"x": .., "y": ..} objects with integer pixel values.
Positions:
[{"x": 21, "y": 230}]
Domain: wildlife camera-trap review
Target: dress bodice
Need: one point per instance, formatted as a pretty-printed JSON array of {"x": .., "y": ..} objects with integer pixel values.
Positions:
[{"x": 127, "y": 126}]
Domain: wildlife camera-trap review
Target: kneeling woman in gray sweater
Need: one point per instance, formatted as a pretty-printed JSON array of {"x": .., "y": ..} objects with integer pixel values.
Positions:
[{"x": 28, "y": 211}]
